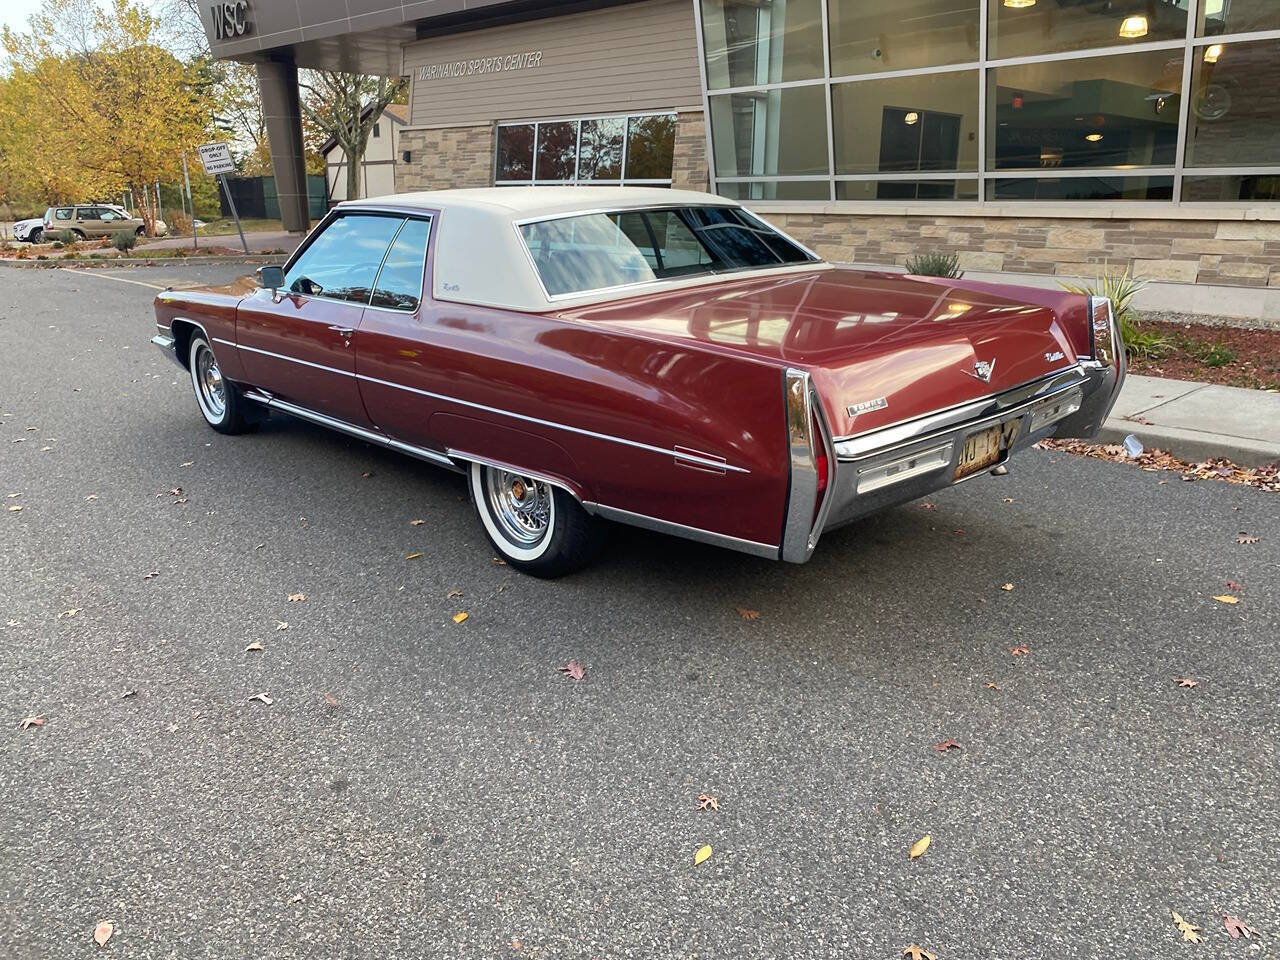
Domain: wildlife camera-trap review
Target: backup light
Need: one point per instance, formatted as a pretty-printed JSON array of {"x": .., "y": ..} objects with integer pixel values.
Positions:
[{"x": 904, "y": 468}]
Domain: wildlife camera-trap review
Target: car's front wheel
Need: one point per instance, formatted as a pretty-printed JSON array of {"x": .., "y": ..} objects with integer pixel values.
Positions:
[
  {"x": 535, "y": 526},
  {"x": 221, "y": 404},
  {"x": 36, "y": 235}
]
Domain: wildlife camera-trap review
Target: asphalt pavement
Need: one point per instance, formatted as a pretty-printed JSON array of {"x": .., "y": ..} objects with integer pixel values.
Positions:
[{"x": 418, "y": 787}]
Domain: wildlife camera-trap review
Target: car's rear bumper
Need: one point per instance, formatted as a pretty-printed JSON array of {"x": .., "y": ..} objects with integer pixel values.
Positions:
[
  {"x": 167, "y": 345},
  {"x": 899, "y": 463}
]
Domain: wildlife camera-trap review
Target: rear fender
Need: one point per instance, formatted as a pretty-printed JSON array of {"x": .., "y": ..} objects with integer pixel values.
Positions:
[{"x": 471, "y": 440}]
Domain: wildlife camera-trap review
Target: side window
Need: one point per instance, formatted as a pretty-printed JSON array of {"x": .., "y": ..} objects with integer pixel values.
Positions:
[
  {"x": 62, "y": 213},
  {"x": 342, "y": 262},
  {"x": 85, "y": 213},
  {"x": 399, "y": 284},
  {"x": 105, "y": 214}
]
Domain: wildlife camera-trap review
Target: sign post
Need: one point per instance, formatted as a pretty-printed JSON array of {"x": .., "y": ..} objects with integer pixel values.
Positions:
[
  {"x": 217, "y": 161},
  {"x": 191, "y": 201}
]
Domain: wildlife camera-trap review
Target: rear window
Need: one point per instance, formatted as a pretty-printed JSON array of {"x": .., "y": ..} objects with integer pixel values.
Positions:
[{"x": 596, "y": 251}]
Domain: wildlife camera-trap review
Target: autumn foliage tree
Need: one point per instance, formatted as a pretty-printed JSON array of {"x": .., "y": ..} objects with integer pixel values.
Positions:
[
  {"x": 95, "y": 104},
  {"x": 344, "y": 107}
]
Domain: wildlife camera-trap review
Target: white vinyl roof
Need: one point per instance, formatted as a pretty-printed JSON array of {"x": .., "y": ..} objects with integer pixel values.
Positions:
[{"x": 481, "y": 257}]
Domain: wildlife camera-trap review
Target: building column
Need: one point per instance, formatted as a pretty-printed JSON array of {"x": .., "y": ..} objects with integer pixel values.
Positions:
[{"x": 282, "y": 114}]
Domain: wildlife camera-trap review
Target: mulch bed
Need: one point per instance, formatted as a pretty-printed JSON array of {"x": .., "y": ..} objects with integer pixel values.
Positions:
[
  {"x": 1260, "y": 478},
  {"x": 1231, "y": 356}
]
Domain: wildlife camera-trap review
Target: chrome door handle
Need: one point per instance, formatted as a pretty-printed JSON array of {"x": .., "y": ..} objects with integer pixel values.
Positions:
[{"x": 344, "y": 332}]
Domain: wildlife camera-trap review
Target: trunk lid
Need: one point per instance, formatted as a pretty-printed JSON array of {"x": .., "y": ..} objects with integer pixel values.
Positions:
[{"x": 892, "y": 346}]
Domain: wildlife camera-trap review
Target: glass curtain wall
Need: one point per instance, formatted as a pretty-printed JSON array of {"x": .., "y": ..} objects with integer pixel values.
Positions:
[{"x": 993, "y": 100}]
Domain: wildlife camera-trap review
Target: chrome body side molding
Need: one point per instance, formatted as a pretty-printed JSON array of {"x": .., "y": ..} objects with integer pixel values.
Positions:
[{"x": 647, "y": 522}]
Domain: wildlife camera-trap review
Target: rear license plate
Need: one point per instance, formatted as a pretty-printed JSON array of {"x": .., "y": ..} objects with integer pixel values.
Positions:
[{"x": 984, "y": 448}]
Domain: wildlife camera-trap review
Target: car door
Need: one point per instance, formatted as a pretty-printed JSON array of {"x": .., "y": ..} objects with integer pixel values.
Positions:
[
  {"x": 110, "y": 221},
  {"x": 298, "y": 343},
  {"x": 87, "y": 221}
]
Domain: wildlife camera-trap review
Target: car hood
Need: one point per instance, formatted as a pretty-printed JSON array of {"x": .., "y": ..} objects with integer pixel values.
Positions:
[
  {"x": 892, "y": 346},
  {"x": 236, "y": 290}
]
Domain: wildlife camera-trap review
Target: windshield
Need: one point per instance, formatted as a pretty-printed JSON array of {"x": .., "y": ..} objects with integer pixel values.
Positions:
[{"x": 595, "y": 251}]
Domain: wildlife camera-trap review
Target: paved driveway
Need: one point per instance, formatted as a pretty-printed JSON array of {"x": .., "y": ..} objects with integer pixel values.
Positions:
[{"x": 419, "y": 788}]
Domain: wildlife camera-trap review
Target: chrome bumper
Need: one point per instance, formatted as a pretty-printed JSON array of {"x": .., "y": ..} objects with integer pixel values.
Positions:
[{"x": 896, "y": 464}]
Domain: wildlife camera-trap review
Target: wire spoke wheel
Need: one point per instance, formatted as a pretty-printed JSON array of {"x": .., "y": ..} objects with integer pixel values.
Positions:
[{"x": 520, "y": 506}]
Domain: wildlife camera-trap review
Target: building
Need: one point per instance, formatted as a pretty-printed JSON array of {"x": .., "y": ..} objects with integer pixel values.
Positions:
[
  {"x": 377, "y": 167},
  {"x": 1043, "y": 138}
]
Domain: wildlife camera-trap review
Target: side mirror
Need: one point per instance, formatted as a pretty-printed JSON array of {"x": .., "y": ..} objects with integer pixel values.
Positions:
[{"x": 271, "y": 277}]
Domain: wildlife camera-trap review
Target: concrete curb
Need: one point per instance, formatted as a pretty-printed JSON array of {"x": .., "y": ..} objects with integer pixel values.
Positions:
[
  {"x": 259, "y": 259},
  {"x": 1193, "y": 445}
]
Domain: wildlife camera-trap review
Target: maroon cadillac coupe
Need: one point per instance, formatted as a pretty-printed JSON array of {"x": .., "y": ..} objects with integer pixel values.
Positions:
[{"x": 654, "y": 357}]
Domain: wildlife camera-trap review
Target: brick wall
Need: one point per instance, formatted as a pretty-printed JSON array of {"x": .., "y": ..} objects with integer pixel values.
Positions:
[
  {"x": 444, "y": 158},
  {"x": 1244, "y": 253},
  {"x": 689, "y": 163}
]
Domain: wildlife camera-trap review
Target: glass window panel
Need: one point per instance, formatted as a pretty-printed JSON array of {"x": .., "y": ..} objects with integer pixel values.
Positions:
[
  {"x": 1082, "y": 188},
  {"x": 1234, "y": 118},
  {"x": 1052, "y": 26},
  {"x": 600, "y": 152},
  {"x": 557, "y": 148},
  {"x": 928, "y": 122},
  {"x": 651, "y": 144},
  {"x": 515, "y": 152},
  {"x": 761, "y": 41},
  {"x": 873, "y": 37},
  {"x": 1237, "y": 16},
  {"x": 777, "y": 190},
  {"x": 1228, "y": 189},
  {"x": 907, "y": 190},
  {"x": 343, "y": 260},
  {"x": 770, "y": 133},
  {"x": 1093, "y": 112},
  {"x": 399, "y": 284}
]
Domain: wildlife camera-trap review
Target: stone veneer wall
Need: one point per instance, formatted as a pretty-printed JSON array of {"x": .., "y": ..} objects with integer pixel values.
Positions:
[
  {"x": 689, "y": 161},
  {"x": 446, "y": 157},
  {"x": 1244, "y": 253}
]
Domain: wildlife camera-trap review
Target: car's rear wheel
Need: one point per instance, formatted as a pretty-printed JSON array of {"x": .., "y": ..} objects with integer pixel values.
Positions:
[
  {"x": 78, "y": 234},
  {"x": 536, "y": 527},
  {"x": 140, "y": 231},
  {"x": 221, "y": 404}
]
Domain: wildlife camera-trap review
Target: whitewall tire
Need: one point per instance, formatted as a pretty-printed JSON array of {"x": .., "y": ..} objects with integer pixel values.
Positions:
[{"x": 219, "y": 400}]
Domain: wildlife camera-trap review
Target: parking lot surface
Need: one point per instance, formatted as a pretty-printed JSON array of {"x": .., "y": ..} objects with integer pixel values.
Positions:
[{"x": 417, "y": 787}]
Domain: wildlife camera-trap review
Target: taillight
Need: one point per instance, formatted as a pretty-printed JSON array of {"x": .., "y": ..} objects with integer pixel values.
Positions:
[{"x": 823, "y": 465}]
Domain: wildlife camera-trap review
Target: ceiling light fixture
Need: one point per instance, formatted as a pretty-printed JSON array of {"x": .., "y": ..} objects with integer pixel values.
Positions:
[
  {"x": 1019, "y": 4},
  {"x": 1212, "y": 53},
  {"x": 1133, "y": 27},
  {"x": 1093, "y": 137},
  {"x": 911, "y": 117}
]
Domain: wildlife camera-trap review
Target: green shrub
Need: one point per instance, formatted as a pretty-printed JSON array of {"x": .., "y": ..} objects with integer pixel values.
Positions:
[
  {"x": 67, "y": 238},
  {"x": 1216, "y": 354},
  {"x": 1120, "y": 290},
  {"x": 124, "y": 240},
  {"x": 935, "y": 265},
  {"x": 57, "y": 244}
]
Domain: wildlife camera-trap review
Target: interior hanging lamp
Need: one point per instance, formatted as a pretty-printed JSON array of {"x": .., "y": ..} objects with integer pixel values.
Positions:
[
  {"x": 1134, "y": 27},
  {"x": 1019, "y": 4}
]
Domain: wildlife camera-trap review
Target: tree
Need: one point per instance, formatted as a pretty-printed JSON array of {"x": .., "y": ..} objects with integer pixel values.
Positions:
[
  {"x": 344, "y": 107},
  {"x": 114, "y": 113}
]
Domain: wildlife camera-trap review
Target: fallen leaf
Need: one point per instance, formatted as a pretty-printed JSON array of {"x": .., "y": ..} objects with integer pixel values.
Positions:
[
  {"x": 746, "y": 614},
  {"x": 1188, "y": 930},
  {"x": 704, "y": 852},
  {"x": 416, "y": 523},
  {"x": 189, "y": 463},
  {"x": 1243, "y": 537},
  {"x": 1237, "y": 928},
  {"x": 992, "y": 686},
  {"x": 175, "y": 491},
  {"x": 103, "y": 931},
  {"x": 68, "y": 613},
  {"x": 574, "y": 670},
  {"x": 1008, "y": 499},
  {"x": 32, "y": 722},
  {"x": 254, "y": 647},
  {"x": 14, "y": 508},
  {"x": 297, "y": 597},
  {"x": 454, "y": 594},
  {"x": 946, "y": 745},
  {"x": 919, "y": 847},
  {"x": 1233, "y": 586},
  {"x": 1186, "y": 682},
  {"x": 1227, "y": 598},
  {"x": 707, "y": 802},
  {"x": 516, "y": 944},
  {"x": 12, "y": 495},
  {"x": 928, "y": 506},
  {"x": 330, "y": 700},
  {"x": 366, "y": 475},
  {"x": 128, "y": 693},
  {"x": 90, "y": 498},
  {"x": 152, "y": 575},
  {"x": 281, "y": 625},
  {"x": 460, "y": 617},
  {"x": 1006, "y": 586},
  {"x": 958, "y": 533},
  {"x": 918, "y": 953},
  {"x": 417, "y": 555},
  {"x": 497, "y": 561},
  {"x": 261, "y": 698},
  {"x": 1020, "y": 651}
]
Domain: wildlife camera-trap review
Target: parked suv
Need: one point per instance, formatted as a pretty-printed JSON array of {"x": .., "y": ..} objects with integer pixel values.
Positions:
[{"x": 95, "y": 220}]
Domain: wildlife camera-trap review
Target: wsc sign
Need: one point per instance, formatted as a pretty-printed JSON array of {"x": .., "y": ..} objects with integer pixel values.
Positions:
[{"x": 230, "y": 20}]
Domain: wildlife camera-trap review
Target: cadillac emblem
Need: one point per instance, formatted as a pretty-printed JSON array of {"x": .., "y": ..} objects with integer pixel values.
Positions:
[{"x": 982, "y": 370}]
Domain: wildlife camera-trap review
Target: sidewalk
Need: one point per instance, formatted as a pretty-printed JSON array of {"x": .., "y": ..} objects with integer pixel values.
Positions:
[
  {"x": 1196, "y": 421},
  {"x": 258, "y": 241}
]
